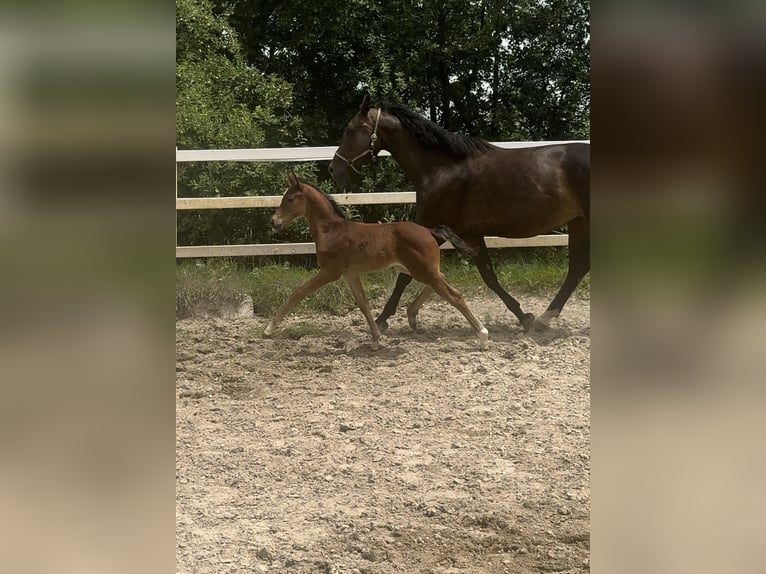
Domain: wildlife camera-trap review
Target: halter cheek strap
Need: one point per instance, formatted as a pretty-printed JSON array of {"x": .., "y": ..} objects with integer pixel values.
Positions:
[{"x": 371, "y": 150}]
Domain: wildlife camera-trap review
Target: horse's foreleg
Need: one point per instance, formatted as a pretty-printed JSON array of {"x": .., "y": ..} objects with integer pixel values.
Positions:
[
  {"x": 319, "y": 280},
  {"x": 361, "y": 300},
  {"x": 579, "y": 265},
  {"x": 484, "y": 263},
  {"x": 402, "y": 280}
]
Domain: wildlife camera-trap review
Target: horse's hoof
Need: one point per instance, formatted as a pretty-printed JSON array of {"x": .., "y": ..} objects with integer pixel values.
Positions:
[
  {"x": 413, "y": 321},
  {"x": 267, "y": 331},
  {"x": 542, "y": 323},
  {"x": 375, "y": 345},
  {"x": 528, "y": 321},
  {"x": 382, "y": 325},
  {"x": 484, "y": 339}
]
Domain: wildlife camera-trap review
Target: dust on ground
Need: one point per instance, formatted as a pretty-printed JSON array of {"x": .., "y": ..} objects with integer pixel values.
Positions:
[{"x": 310, "y": 452}]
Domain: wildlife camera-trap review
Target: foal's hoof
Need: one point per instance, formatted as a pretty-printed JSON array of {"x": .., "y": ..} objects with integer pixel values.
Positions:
[
  {"x": 375, "y": 345},
  {"x": 528, "y": 321},
  {"x": 484, "y": 339},
  {"x": 539, "y": 326},
  {"x": 267, "y": 331},
  {"x": 382, "y": 325},
  {"x": 413, "y": 321}
]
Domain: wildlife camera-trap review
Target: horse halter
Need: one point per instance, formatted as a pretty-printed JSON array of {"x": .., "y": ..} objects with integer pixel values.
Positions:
[{"x": 371, "y": 150}]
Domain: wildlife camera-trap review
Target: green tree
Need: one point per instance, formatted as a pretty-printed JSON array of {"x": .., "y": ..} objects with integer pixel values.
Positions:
[
  {"x": 485, "y": 67},
  {"x": 224, "y": 102}
]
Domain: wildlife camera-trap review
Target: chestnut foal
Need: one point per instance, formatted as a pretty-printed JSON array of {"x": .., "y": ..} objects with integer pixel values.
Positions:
[{"x": 346, "y": 249}]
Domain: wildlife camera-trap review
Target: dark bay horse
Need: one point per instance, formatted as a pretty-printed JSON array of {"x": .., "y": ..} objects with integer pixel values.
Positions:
[
  {"x": 478, "y": 189},
  {"x": 347, "y": 248}
]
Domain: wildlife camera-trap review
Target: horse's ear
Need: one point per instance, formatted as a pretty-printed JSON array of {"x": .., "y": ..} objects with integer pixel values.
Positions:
[
  {"x": 292, "y": 179},
  {"x": 365, "y": 105}
]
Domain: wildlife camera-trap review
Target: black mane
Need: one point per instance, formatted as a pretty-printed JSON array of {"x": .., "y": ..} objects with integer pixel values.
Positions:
[
  {"x": 335, "y": 207},
  {"x": 431, "y": 135}
]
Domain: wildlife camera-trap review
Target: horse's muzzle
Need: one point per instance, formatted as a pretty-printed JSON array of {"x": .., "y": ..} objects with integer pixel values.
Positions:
[{"x": 276, "y": 223}]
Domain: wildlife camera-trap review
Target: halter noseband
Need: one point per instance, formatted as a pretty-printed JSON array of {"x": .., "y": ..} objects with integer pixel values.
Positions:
[{"x": 371, "y": 150}]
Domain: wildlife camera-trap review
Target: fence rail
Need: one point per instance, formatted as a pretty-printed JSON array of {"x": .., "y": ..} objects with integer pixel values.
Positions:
[{"x": 312, "y": 154}]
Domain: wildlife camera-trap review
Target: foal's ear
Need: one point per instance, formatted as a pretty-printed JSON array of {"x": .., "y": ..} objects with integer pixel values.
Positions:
[
  {"x": 364, "y": 107},
  {"x": 293, "y": 180}
]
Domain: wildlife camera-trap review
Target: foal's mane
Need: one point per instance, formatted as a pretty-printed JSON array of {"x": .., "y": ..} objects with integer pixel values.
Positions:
[
  {"x": 435, "y": 136},
  {"x": 334, "y": 204}
]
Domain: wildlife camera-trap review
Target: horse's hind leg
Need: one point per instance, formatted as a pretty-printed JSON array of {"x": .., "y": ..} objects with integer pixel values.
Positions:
[
  {"x": 414, "y": 307},
  {"x": 402, "y": 280},
  {"x": 361, "y": 300},
  {"x": 454, "y": 298},
  {"x": 579, "y": 265},
  {"x": 320, "y": 279},
  {"x": 484, "y": 263}
]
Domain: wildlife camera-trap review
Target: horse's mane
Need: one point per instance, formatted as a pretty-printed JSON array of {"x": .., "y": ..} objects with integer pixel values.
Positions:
[
  {"x": 335, "y": 207},
  {"x": 431, "y": 135}
]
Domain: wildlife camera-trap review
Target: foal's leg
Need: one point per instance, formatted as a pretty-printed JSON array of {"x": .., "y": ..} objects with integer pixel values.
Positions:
[
  {"x": 454, "y": 298},
  {"x": 320, "y": 279},
  {"x": 361, "y": 300},
  {"x": 414, "y": 307},
  {"x": 579, "y": 265},
  {"x": 484, "y": 264},
  {"x": 402, "y": 280}
]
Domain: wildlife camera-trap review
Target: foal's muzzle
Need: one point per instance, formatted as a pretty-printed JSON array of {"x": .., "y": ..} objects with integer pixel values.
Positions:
[{"x": 276, "y": 223}]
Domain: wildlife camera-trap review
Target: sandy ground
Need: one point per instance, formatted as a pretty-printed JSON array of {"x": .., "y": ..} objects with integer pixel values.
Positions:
[{"x": 310, "y": 452}]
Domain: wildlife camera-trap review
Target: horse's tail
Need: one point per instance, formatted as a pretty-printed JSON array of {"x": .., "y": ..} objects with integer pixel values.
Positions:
[{"x": 443, "y": 233}]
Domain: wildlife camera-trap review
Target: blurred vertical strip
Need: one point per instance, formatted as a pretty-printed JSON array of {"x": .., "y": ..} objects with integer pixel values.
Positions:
[
  {"x": 679, "y": 287},
  {"x": 87, "y": 219}
]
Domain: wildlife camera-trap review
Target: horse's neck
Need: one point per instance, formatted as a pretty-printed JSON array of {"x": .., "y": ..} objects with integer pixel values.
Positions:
[
  {"x": 419, "y": 162},
  {"x": 319, "y": 213}
]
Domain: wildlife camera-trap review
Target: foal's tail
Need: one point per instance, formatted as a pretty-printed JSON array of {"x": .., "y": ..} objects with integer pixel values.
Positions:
[{"x": 443, "y": 233}]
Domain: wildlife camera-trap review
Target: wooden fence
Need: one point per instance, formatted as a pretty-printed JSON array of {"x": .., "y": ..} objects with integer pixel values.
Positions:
[{"x": 309, "y": 154}]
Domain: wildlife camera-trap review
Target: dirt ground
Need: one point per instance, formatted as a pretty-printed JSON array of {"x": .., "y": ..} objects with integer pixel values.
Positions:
[{"x": 310, "y": 452}]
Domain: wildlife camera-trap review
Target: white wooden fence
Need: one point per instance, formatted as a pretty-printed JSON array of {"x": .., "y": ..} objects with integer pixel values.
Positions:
[{"x": 309, "y": 154}]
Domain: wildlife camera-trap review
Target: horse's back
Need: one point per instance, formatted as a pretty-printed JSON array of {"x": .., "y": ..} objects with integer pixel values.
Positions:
[{"x": 364, "y": 247}]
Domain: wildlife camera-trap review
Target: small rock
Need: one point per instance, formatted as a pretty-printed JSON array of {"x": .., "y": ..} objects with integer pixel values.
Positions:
[
  {"x": 346, "y": 427},
  {"x": 369, "y": 555},
  {"x": 261, "y": 568},
  {"x": 564, "y": 510},
  {"x": 264, "y": 554},
  {"x": 245, "y": 309}
]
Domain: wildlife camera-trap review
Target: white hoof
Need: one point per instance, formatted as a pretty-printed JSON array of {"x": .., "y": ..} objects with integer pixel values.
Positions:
[
  {"x": 267, "y": 331},
  {"x": 484, "y": 339}
]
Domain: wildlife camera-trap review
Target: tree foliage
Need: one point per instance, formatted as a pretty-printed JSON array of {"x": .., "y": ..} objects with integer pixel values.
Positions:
[{"x": 223, "y": 102}]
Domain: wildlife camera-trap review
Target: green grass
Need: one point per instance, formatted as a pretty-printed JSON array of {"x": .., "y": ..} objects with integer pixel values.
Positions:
[{"x": 205, "y": 285}]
